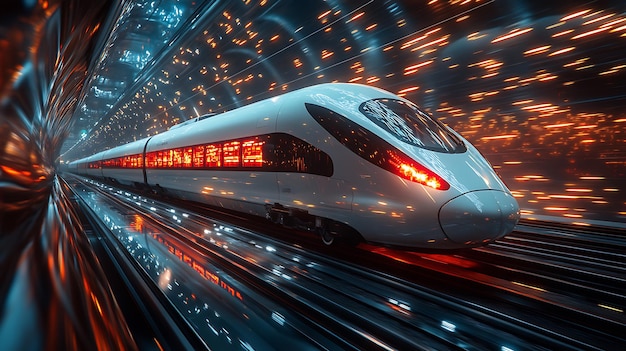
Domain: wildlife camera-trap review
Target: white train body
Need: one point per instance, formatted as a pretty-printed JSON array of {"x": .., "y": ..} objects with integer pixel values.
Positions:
[{"x": 345, "y": 153}]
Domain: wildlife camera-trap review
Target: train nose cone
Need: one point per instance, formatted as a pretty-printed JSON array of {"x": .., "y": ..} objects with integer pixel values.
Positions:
[{"x": 479, "y": 216}]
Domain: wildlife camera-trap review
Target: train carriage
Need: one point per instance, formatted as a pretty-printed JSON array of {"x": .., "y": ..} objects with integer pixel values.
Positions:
[{"x": 340, "y": 158}]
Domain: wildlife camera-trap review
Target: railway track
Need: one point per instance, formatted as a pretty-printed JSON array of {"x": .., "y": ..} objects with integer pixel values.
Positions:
[{"x": 521, "y": 293}]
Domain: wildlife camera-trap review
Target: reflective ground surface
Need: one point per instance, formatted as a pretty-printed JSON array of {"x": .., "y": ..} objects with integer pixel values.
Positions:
[
  {"x": 538, "y": 288},
  {"x": 539, "y": 90}
]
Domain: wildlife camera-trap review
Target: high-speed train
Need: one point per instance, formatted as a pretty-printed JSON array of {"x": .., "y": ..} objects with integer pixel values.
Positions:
[{"x": 345, "y": 160}]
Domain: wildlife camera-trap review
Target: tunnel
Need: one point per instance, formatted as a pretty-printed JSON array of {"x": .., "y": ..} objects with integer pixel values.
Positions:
[{"x": 167, "y": 169}]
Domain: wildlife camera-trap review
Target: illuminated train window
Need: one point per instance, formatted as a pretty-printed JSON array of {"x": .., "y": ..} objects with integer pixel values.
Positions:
[
  {"x": 187, "y": 157},
  {"x": 276, "y": 152},
  {"x": 232, "y": 154},
  {"x": 198, "y": 156},
  {"x": 373, "y": 148},
  {"x": 213, "y": 156}
]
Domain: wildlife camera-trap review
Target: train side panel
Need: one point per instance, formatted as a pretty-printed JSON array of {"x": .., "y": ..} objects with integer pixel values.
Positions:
[
  {"x": 329, "y": 197},
  {"x": 244, "y": 190},
  {"x": 128, "y": 175}
]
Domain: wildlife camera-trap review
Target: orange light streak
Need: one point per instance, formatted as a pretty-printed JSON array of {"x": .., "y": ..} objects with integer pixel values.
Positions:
[
  {"x": 432, "y": 42},
  {"x": 323, "y": 14},
  {"x": 610, "y": 24},
  {"x": 579, "y": 190},
  {"x": 608, "y": 72},
  {"x": 554, "y": 208},
  {"x": 415, "y": 68},
  {"x": 496, "y": 137},
  {"x": 537, "y": 50},
  {"x": 593, "y": 14},
  {"x": 577, "y": 62},
  {"x": 590, "y": 33},
  {"x": 562, "y": 33},
  {"x": 357, "y": 16},
  {"x": 475, "y": 36},
  {"x": 558, "y": 125},
  {"x": 598, "y": 19},
  {"x": 411, "y": 42},
  {"x": 568, "y": 197},
  {"x": 404, "y": 91},
  {"x": 558, "y": 24},
  {"x": 562, "y": 51},
  {"x": 576, "y": 14},
  {"x": 327, "y": 54},
  {"x": 617, "y": 29},
  {"x": 539, "y": 107},
  {"x": 511, "y": 34},
  {"x": 571, "y": 215}
]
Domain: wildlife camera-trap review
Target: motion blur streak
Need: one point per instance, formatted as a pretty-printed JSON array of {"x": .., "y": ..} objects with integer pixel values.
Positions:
[
  {"x": 59, "y": 292},
  {"x": 51, "y": 295}
]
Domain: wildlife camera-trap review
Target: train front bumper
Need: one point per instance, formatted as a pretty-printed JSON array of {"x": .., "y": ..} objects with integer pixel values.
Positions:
[{"x": 479, "y": 217}]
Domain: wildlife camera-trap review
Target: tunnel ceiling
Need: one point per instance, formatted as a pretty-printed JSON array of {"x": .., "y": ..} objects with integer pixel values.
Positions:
[
  {"x": 538, "y": 89},
  {"x": 139, "y": 35}
]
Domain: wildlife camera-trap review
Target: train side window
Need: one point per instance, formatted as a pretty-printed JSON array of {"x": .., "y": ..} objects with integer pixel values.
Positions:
[
  {"x": 276, "y": 152},
  {"x": 187, "y": 157},
  {"x": 198, "y": 156},
  {"x": 177, "y": 158},
  {"x": 168, "y": 158},
  {"x": 159, "y": 158},
  {"x": 151, "y": 159},
  {"x": 286, "y": 153},
  {"x": 213, "y": 155},
  {"x": 232, "y": 154},
  {"x": 252, "y": 153}
]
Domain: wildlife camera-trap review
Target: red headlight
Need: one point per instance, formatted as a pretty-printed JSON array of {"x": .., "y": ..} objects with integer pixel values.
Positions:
[{"x": 408, "y": 169}]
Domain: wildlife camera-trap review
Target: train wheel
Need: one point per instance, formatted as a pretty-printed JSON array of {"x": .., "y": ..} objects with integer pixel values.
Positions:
[{"x": 327, "y": 237}]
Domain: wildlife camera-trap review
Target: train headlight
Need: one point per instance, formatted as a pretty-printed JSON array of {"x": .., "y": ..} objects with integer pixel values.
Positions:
[{"x": 422, "y": 175}]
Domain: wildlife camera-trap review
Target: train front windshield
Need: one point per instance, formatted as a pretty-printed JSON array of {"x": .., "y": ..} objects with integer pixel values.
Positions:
[{"x": 411, "y": 125}]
